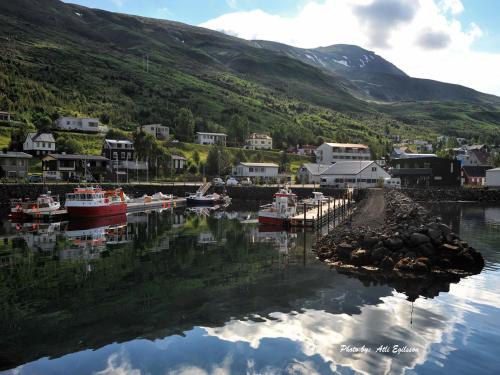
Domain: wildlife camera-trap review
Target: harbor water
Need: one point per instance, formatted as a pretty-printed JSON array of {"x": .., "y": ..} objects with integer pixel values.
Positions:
[{"x": 177, "y": 292}]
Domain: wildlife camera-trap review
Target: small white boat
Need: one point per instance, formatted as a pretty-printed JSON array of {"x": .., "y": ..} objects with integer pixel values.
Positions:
[
  {"x": 200, "y": 198},
  {"x": 44, "y": 205},
  {"x": 318, "y": 198}
]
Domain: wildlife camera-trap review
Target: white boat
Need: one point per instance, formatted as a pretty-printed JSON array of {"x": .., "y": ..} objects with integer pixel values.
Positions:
[
  {"x": 200, "y": 198},
  {"x": 44, "y": 205},
  {"x": 281, "y": 211},
  {"x": 318, "y": 198}
]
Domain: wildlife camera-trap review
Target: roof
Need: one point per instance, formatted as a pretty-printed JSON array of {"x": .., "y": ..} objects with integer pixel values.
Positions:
[
  {"x": 76, "y": 157},
  {"x": 259, "y": 136},
  {"x": 41, "y": 137},
  {"x": 13, "y": 154},
  {"x": 78, "y": 118},
  {"x": 475, "y": 147},
  {"x": 415, "y": 156},
  {"x": 4, "y": 113},
  {"x": 351, "y": 145},
  {"x": 475, "y": 171},
  {"x": 347, "y": 167},
  {"x": 494, "y": 170},
  {"x": 270, "y": 165},
  {"x": 217, "y": 134},
  {"x": 481, "y": 155},
  {"x": 315, "y": 169},
  {"x": 121, "y": 141},
  {"x": 177, "y": 157}
]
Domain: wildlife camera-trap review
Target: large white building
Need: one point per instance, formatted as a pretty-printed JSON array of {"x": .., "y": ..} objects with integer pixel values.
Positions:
[
  {"x": 493, "y": 177},
  {"x": 203, "y": 138},
  {"x": 90, "y": 125},
  {"x": 362, "y": 174},
  {"x": 39, "y": 144},
  {"x": 310, "y": 173},
  {"x": 329, "y": 153},
  {"x": 257, "y": 141},
  {"x": 156, "y": 130},
  {"x": 263, "y": 170}
]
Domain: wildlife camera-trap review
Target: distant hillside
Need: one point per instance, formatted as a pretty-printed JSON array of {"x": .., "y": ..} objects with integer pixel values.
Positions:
[{"x": 66, "y": 59}]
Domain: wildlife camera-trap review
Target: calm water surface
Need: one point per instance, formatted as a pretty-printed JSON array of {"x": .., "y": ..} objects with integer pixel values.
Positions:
[{"x": 176, "y": 293}]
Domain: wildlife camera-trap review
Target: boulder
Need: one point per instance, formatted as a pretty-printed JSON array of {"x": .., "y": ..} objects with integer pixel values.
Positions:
[
  {"x": 344, "y": 250},
  {"x": 395, "y": 243},
  {"x": 379, "y": 253},
  {"x": 417, "y": 239},
  {"x": 360, "y": 257}
]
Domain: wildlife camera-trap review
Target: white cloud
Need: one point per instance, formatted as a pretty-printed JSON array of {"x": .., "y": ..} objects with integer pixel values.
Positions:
[
  {"x": 427, "y": 41},
  {"x": 232, "y": 4}
]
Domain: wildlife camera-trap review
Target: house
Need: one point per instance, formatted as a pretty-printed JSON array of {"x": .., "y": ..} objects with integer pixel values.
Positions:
[
  {"x": 262, "y": 170},
  {"x": 478, "y": 157},
  {"x": 156, "y": 130},
  {"x": 5, "y": 116},
  {"x": 14, "y": 164},
  {"x": 493, "y": 177},
  {"x": 178, "y": 163},
  {"x": 65, "y": 166},
  {"x": 258, "y": 141},
  {"x": 90, "y": 125},
  {"x": 310, "y": 173},
  {"x": 474, "y": 175},
  {"x": 39, "y": 144},
  {"x": 211, "y": 138},
  {"x": 306, "y": 150},
  {"x": 362, "y": 174},
  {"x": 122, "y": 156},
  {"x": 423, "y": 146},
  {"x": 426, "y": 171},
  {"x": 329, "y": 153}
]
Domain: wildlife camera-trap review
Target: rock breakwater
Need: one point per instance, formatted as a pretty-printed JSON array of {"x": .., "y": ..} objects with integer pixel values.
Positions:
[{"x": 410, "y": 241}]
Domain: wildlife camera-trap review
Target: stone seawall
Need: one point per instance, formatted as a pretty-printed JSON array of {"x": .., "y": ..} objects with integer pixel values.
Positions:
[
  {"x": 253, "y": 193},
  {"x": 453, "y": 194}
]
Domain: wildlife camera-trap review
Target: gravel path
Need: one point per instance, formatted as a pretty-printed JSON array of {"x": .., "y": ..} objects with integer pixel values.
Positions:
[{"x": 371, "y": 210}]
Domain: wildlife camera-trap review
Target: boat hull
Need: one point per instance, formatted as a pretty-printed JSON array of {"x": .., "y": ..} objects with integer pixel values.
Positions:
[
  {"x": 274, "y": 221},
  {"x": 97, "y": 211},
  {"x": 202, "y": 202}
]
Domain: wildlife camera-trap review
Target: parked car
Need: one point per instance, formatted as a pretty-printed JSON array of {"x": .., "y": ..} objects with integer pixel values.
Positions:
[
  {"x": 231, "y": 181},
  {"x": 217, "y": 181},
  {"x": 246, "y": 182},
  {"x": 74, "y": 178},
  {"x": 34, "y": 178}
]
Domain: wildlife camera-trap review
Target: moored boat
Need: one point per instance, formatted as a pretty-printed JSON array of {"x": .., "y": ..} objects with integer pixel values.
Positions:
[
  {"x": 283, "y": 208},
  {"x": 44, "y": 205},
  {"x": 200, "y": 198},
  {"x": 95, "y": 202}
]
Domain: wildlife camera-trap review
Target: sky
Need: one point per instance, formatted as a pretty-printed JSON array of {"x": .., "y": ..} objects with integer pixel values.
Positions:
[{"x": 456, "y": 41}]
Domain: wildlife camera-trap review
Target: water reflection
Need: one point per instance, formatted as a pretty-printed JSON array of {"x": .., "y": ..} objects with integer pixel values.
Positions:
[{"x": 176, "y": 292}]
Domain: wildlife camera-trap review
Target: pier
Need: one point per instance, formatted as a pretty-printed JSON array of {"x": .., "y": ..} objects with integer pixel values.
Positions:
[{"x": 325, "y": 213}]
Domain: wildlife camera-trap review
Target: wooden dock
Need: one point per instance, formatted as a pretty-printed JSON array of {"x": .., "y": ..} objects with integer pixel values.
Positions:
[{"x": 328, "y": 212}]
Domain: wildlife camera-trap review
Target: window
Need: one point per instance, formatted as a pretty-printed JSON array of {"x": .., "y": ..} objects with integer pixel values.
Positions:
[
  {"x": 123, "y": 155},
  {"x": 115, "y": 155},
  {"x": 374, "y": 169},
  {"x": 250, "y": 169}
]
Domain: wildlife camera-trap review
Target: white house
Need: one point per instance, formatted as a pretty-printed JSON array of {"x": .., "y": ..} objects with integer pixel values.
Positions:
[
  {"x": 211, "y": 138},
  {"x": 178, "y": 163},
  {"x": 329, "y": 153},
  {"x": 257, "y": 141},
  {"x": 363, "y": 174},
  {"x": 493, "y": 177},
  {"x": 5, "y": 116},
  {"x": 39, "y": 144},
  {"x": 310, "y": 173},
  {"x": 263, "y": 170},
  {"x": 156, "y": 130},
  {"x": 90, "y": 125}
]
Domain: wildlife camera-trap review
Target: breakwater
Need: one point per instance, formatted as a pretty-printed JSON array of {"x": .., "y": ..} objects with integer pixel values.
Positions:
[
  {"x": 453, "y": 194},
  {"x": 406, "y": 239}
]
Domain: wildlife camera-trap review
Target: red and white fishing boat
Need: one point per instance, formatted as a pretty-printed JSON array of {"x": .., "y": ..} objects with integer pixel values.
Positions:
[
  {"x": 44, "y": 205},
  {"x": 281, "y": 211},
  {"x": 95, "y": 202}
]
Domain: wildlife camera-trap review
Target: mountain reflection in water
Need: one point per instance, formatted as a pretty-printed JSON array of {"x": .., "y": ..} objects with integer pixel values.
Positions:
[{"x": 182, "y": 293}]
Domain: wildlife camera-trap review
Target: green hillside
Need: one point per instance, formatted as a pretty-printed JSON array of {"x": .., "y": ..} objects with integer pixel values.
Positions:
[{"x": 63, "y": 59}]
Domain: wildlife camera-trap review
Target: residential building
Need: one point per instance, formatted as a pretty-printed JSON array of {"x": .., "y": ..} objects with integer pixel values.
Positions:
[
  {"x": 156, "y": 130},
  {"x": 426, "y": 171},
  {"x": 493, "y": 177},
  {"x": 179, "y": 163},
  {"x": 118, "y": 150},
  {"x": 406, "y": 153},
  {"x": 306, "y": 150},
  {"x": 66, "y": 166},
  {"x": 310, "y": 173},
  {"x": 211, "y": 138},
  {"x": 423, "y": 146},
  {"x": 39, "y": 144},
  {"x": 258, "y": 141},
  {"x": 329, "y": 153},
  {"x": 14, "y": 164},
  {"x": 90, "y": 125},
  {"x": 474, "y": 175},
  {"x": 261, "y": 170},
  {"x": 362, "y": 174},
  {"x": 5, "y": 116}
]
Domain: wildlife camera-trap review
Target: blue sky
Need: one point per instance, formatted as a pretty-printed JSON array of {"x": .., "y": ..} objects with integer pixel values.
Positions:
[{"x": 455, "y": 41}]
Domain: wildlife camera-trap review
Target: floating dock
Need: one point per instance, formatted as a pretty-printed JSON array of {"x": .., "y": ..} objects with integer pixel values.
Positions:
[{"x": 323, "y": 213}]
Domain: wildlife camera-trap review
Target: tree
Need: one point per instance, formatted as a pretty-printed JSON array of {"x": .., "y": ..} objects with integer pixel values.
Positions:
[
  {"x": 69, "y": 146},
  {"x": 284, "y": 162},
  {"x": 43, "y": 124},
  {"x": 196, "y": 157},
  {"x": 218, "y": 163},
  {"x": 117, "y": 134},
  {"x": 238, "y": 129},
  {"x": 240, "y": 156},
  {"x": 184, "y": 125},
  {"x": 18, "y": 137}
]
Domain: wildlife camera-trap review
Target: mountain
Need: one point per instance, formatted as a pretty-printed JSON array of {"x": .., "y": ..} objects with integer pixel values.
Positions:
[
  {"x": 374, "y": 77},
  {"x": 61, "y": 58}
]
